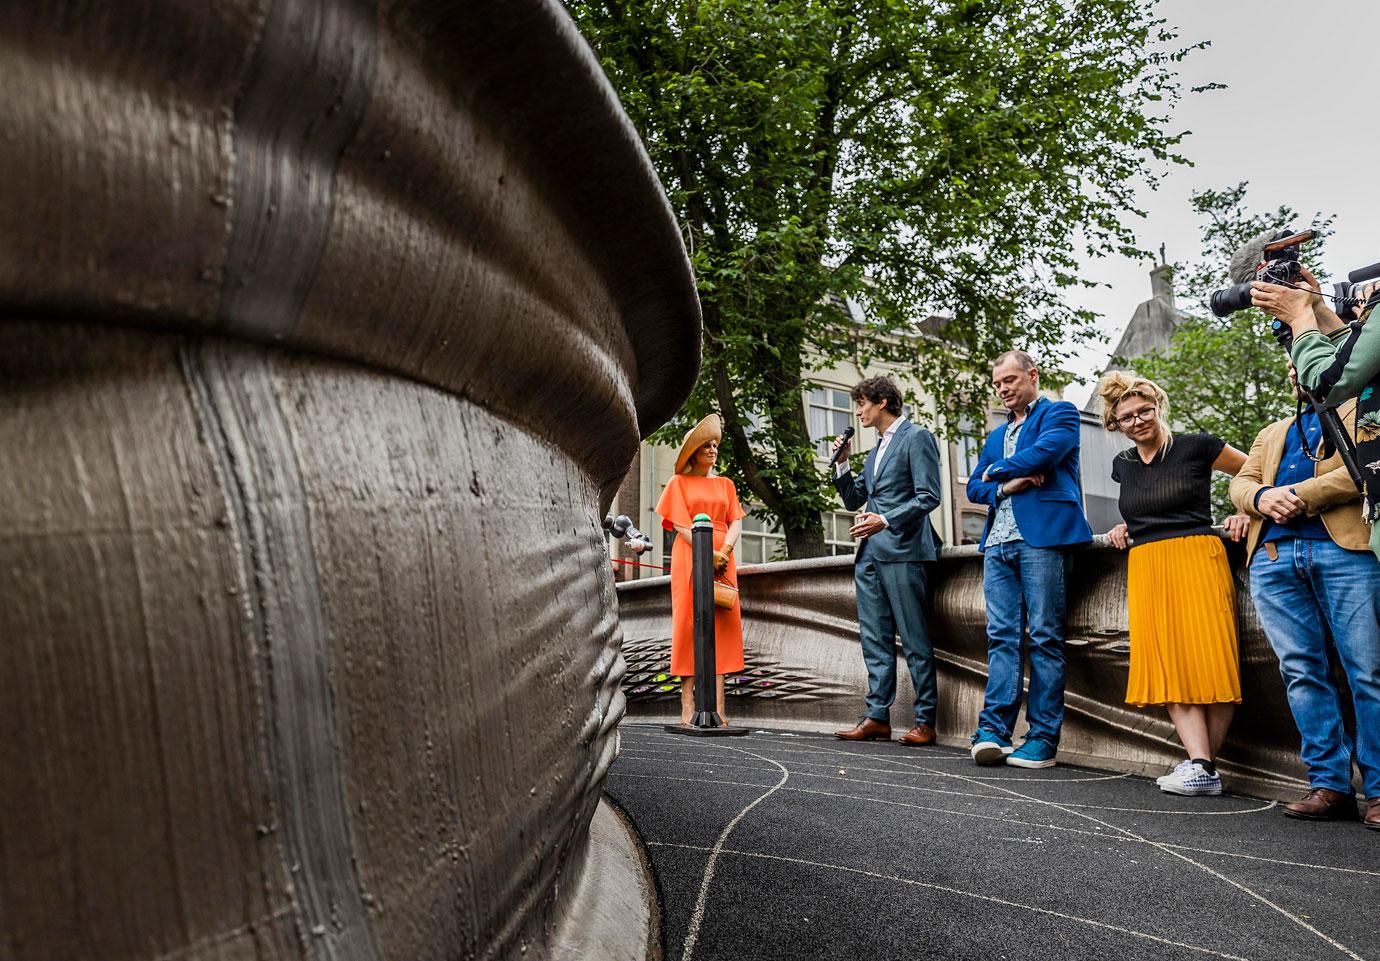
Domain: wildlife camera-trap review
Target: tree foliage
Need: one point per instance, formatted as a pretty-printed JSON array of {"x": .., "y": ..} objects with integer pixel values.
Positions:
[
  {"x": 915, "y": 157},
  {"x": 1227, "y": 376}
]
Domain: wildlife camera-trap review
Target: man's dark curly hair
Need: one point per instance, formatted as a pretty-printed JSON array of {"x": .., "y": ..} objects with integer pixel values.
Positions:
[{"x": 878, "y": 390}]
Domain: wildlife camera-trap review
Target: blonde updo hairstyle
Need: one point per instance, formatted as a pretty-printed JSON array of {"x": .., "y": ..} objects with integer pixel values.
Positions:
[{"x": 1120, "y": 385}]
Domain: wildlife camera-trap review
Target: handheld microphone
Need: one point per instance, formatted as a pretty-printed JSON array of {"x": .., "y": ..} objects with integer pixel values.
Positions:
[{"x": 847, "y": 433}]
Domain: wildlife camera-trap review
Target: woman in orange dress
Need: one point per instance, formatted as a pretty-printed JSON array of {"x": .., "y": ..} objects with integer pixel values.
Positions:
[{"x": 694, "y": 489}]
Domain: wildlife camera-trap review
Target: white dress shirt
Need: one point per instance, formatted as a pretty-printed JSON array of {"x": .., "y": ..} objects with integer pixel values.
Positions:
[{"x": 885, "y": 443}]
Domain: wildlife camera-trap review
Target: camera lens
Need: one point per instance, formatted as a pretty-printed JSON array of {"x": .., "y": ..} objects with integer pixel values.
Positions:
[{"x": 1230, "y": 299}]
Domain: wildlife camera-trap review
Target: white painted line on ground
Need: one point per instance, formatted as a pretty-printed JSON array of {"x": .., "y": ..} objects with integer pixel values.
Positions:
[
  {"x": 963, "y": 894},
  {"x": 1172, "y": 853},
  {"x": 643, "y": 754},
  {"x": 1119, "y": 837},
  {"x": 692, "y": 933}
]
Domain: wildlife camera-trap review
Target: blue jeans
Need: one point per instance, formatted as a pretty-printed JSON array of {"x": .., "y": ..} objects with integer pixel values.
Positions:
[
  {"x": 892, "y": 601},
  {"x": 1024, "y": 588},
  {"x": 1313, "y": 589}
]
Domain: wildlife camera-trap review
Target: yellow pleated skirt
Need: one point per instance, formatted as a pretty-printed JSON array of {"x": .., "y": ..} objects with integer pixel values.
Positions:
[{"x": 1183, "y": 623}]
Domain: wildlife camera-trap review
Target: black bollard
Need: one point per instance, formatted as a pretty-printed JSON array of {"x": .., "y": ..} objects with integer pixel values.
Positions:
[{"x": 705, "y": 721}]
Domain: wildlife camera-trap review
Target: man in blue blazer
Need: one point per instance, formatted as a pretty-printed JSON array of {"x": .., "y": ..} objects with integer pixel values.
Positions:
[
  {"x": 1028, "y": 477},
  {"x": 899, "y": 486}
]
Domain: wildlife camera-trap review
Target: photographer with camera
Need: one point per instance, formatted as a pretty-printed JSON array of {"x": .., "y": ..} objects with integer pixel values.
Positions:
[
  {"x": 1336, "y": 362},
  {"x": 1312, "y": 576},
  {"x": 1302, "y": 310}
]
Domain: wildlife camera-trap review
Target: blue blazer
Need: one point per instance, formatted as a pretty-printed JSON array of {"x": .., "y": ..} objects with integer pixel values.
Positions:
[
  {"x": 904, "y": 492},
  {"x": 1051, "y": 515}
]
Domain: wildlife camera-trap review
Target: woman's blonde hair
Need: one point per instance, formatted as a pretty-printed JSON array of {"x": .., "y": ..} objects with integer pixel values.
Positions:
[{"x": 1119, "y": 385}]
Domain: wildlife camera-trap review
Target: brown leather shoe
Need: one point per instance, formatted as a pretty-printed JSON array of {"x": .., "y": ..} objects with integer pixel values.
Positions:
[
  {"x": 1372, "y": 820},
  {"x": 919, "y": 736},
  {"x": 1323, "y": 804},
  {"x": 866, "y": 730}
]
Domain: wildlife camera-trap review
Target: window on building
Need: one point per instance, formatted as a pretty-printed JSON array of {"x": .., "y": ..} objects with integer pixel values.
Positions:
[
  {"x": 831, "y": 412},
  {"x": 967, "y": 448},
  {"x": 836, "y": 539},
  {"x": 754, "y": 423},
  {"x": 760, "y": 542}
]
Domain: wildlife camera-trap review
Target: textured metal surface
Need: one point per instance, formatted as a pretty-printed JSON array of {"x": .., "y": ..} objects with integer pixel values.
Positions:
[
  {"x": 327, "y": 331},
  {"x": 800, "y": 621}
]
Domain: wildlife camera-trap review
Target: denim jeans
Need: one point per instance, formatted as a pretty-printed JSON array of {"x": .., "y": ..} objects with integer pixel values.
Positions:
[
  {"x": 1024, "y": 588},
  {"x": 1313, "y": 589}
]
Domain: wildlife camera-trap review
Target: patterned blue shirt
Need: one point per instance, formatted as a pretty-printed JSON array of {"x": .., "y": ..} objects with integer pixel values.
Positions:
[{"x": 1004, "y": 527}]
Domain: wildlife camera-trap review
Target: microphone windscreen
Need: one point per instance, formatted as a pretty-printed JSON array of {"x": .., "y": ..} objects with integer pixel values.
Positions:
[
  {"x": 1252, "y": 252},
  {"x": 848, "y": 432},
  {"x": 1361, "y": 274}
]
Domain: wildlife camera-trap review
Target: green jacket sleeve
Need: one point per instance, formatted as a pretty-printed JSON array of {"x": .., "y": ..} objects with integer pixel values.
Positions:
[{"x": 1314, "y": 353}]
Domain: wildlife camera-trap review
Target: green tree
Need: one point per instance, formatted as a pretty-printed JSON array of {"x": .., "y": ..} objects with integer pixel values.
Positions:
[
  {"x": 914, "y": 157},
  {"x": 1228, "y": 375}
]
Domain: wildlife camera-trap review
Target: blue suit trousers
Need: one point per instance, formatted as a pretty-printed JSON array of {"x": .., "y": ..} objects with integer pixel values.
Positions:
[{"x": 891, "y": 601}]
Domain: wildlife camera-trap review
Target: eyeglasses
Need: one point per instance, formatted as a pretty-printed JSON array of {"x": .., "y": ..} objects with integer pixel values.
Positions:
[{"x": 1148, "y": 414}]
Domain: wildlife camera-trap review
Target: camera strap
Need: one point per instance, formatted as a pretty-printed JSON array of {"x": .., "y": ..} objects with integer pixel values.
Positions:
[
  {"x": 1367, "y": 423},
  {"x": 1325, "y": 446},
  {"x": 1329, "y": 377}
]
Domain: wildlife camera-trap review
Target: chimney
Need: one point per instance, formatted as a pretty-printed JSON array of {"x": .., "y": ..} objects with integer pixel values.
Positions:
[{"x": 1160, "y": 284}]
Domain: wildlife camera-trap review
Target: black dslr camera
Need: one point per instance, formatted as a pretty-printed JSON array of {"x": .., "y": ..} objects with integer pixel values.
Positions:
[
  {"x": 1275, "y": 260},
  {"x": 1277, "y": 263}
]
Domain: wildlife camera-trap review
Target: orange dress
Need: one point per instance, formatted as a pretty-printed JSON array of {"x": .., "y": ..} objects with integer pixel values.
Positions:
[{"x": 685, "y": 496}]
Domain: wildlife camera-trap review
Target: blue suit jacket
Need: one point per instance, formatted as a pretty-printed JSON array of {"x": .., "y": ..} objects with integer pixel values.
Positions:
[
  {"x": 904, "y": 492},
  {"x": 1051, "y": 515}
]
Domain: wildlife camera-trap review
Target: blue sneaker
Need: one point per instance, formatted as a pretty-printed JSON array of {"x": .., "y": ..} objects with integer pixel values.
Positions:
[
  {"x": 1035, "y": 752},
  {"x": 989, "y": 747}
]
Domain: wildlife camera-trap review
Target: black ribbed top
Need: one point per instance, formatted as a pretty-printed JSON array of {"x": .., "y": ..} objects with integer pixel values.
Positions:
[{"x": 1172, "y": 495}]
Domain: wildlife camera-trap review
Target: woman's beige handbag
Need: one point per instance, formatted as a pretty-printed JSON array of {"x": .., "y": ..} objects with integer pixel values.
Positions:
[{"x": 725, "y": 594}]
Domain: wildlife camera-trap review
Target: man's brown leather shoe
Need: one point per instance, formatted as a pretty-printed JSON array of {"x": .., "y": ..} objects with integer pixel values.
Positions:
[
  {"x": 919, "y": 736},
  {"x": 1373, "y": 813},
  {"x": 1322, "y": 804},
  {"x": 866, "y": 730}
]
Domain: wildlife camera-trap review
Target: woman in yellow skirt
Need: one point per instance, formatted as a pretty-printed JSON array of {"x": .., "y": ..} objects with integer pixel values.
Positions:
[{"x": 1181, "y": 594}]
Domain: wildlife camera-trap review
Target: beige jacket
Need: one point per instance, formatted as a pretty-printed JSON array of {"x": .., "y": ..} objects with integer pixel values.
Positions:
[{"x": 1329, "y": 492}]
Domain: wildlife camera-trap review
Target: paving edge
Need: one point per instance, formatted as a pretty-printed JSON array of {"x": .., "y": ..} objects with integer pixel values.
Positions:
[{"x": 614, "y": 913}]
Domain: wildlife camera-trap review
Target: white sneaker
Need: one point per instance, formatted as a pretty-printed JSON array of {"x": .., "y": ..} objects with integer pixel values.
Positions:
[
  {"x": 1165, "y": 777},
  {"x": 1191, "y": 779}
]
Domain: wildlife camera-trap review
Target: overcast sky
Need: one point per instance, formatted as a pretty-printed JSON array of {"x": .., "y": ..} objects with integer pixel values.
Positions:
[{"x": 1302, "y": 81}]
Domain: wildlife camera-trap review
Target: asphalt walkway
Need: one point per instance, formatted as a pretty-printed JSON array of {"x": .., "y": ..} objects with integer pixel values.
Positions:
[{"x": 799, "y": 846}]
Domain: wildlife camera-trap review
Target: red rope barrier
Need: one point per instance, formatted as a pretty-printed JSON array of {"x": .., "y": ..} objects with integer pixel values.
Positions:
[{"x": 650, "y": 567}]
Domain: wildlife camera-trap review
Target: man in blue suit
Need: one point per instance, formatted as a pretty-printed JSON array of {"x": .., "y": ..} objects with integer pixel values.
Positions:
[
  {"x": 899, "y": 486},
  {"x": 1028, "y": 477}
]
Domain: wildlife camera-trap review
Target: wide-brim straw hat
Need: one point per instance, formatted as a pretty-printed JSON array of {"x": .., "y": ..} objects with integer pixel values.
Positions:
[{"x": 711, "y": 428}]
